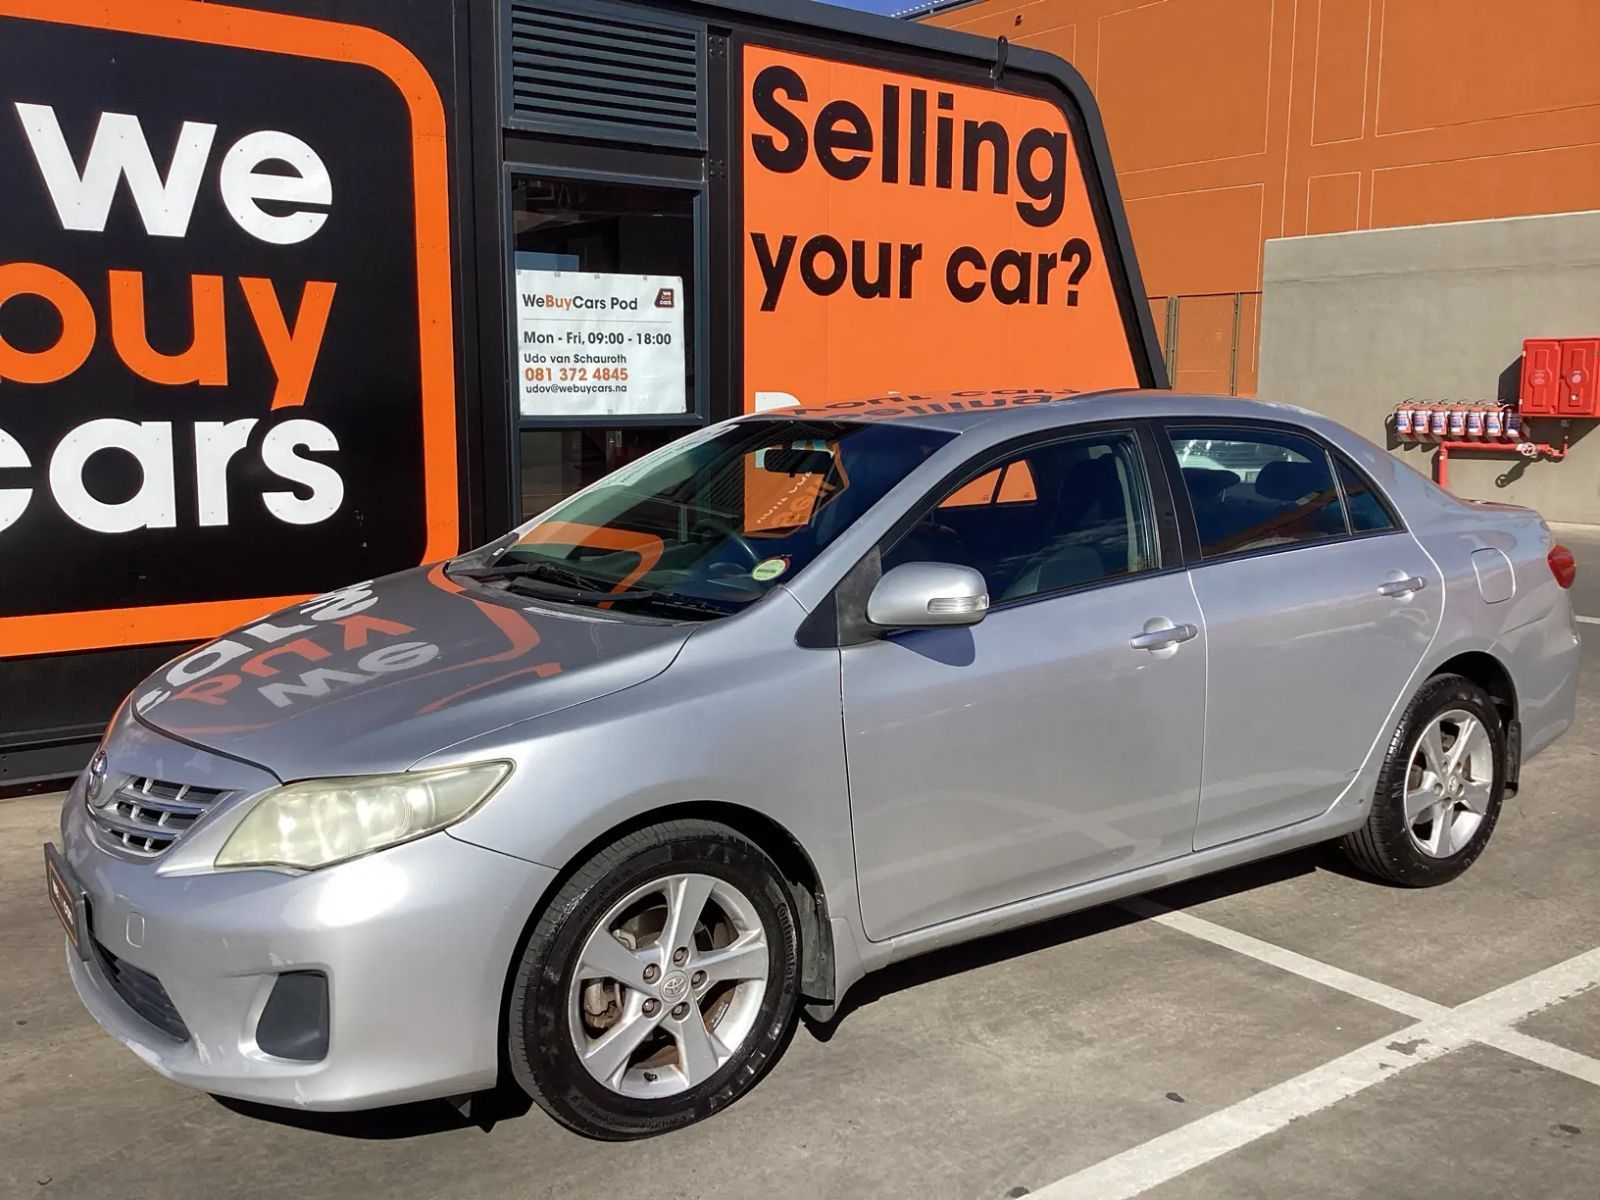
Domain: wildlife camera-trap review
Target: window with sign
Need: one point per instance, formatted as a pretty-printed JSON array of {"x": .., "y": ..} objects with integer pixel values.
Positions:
[{"x": 602, "y": 300}]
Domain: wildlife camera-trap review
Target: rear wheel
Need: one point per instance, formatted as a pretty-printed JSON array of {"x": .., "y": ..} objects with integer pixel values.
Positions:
[
  {"x": 1439, "y": 794},
  {"x": 658, "y": 985}
]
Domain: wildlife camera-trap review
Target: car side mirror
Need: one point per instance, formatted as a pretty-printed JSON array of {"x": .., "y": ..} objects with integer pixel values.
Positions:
[{"x": 920, "y": 594}]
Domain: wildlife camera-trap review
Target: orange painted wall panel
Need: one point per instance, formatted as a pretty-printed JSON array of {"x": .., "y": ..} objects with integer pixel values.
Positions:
[
  {"x": 1233, "y": 121},
  {"x": 1478, "y": 60},
  {"x": 1206, "y": 241},
  {"x": 1339, "y": 85},
  {"x": 1333, "y": 202},
  {"x": 1566, "y": 179},
  {"x": 1158, "y": 59}
]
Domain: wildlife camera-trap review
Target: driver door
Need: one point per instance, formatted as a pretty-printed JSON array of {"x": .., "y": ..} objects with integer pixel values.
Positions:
[{"x": 1039, "y": 748}]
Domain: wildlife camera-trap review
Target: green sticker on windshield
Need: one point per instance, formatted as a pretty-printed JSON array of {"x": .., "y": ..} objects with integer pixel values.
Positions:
[{"x": 769, "y": 568}]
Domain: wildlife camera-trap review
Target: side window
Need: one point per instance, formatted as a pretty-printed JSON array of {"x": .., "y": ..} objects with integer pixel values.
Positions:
[
  {"x": 1368, "y": 514},
  {"x": 1055, "y": 516},
  {"x": 1256, "y": 489}
]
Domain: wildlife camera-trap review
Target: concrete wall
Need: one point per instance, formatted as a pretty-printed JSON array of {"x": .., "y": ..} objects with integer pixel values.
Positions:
[{"x": 1354, "y": 323}]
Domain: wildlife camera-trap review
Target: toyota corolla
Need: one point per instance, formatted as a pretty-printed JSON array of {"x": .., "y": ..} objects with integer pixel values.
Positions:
[{"x": 596, "y": 809}]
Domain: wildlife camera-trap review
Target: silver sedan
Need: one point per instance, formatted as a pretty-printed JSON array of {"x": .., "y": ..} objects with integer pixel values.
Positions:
[{"x": 595, "y": 810}]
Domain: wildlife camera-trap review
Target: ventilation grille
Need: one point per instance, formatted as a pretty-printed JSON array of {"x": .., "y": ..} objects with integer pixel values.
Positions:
[
  {"x": 599, "y": 72},
  {"x": 143, "y": 993},
  {"x": 145, "y": 816}
]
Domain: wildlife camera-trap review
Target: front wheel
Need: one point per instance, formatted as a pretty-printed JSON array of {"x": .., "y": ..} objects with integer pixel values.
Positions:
[
  {"x": 659, "y": 983},
  {"x": 1439, "y": 794}
]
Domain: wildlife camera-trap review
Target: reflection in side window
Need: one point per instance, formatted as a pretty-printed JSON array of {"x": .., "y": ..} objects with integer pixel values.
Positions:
[
  {"x": 1257, "y": 489},
  {"x": 714, "y": 521},
  {"x": 1057, "y": 516},
  {"x": 1010, "y": 484}
]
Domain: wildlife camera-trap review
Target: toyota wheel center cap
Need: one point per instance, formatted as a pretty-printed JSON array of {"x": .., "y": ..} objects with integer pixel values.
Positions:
[{"x": 674, "y": 986}]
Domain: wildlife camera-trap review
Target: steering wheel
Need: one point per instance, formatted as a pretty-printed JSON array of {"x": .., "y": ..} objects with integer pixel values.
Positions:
[{"x": 731, "y": 534}]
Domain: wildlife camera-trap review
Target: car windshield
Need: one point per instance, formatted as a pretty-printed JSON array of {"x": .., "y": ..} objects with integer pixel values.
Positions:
[{"x": 708, "y": 525}]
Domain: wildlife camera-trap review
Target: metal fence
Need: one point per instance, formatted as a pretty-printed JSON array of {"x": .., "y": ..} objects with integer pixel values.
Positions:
[{"x": 1209, "y": 340}]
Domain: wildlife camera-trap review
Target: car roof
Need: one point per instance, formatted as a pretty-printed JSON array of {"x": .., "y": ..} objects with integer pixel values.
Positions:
[{"x": 1020, "y": 409}]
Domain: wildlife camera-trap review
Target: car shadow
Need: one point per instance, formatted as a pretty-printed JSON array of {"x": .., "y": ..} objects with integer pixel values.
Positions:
[
  {"x": 1060, "y": 931},
  {"x": 482, "y": 1111}
]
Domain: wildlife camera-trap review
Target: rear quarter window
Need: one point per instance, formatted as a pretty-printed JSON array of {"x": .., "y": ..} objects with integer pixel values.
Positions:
[{"x": 1368, "y": 512}]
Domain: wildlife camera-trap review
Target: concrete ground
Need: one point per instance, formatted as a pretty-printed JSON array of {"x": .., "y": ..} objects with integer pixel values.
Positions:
[{"x": 1283, "y": 1029}]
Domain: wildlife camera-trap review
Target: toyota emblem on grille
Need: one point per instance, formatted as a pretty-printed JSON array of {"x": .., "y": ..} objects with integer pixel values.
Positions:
[{"x": 97, "y": 777}]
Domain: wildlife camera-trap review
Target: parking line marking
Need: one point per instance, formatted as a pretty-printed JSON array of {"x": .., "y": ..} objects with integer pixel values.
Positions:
[
  {"x": 1546, "y": 1054},
  {"x": 1519, "y": 1000},
  {"x": 1487, "y": 1019},
  {"x": 1199, "y": 1142},
  {"x": 1341, "y": 980}
]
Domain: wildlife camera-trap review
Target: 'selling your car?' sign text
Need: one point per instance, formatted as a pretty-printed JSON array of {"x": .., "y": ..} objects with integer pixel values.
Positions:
[{"x": 904, "y": 232}]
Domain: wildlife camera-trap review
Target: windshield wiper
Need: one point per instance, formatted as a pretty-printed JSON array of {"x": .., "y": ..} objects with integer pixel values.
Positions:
[
  {"x": 671, "y": 601},
  {"x": 552, "y": 582},
  {"x": 526, "y": 569},
  {"x": 547, "y": 590}
]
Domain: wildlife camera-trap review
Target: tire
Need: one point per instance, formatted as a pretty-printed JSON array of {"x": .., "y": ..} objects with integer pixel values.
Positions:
[
  {"x": 561, "y": 1007},
  {"x": 1429, "y": 849}
]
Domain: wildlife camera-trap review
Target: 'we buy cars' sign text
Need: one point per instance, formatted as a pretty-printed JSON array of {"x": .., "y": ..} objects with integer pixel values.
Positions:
[
  {"x": 225, "y": 351},
  {"x": 903, "y": 232}
]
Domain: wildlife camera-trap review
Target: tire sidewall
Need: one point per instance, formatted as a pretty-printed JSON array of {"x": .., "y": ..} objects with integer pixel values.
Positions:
[{"x": 542, "y": 1054}]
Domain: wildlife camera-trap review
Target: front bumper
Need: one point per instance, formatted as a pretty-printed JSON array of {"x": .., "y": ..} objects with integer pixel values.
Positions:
[{"x": 415, "y": 942}]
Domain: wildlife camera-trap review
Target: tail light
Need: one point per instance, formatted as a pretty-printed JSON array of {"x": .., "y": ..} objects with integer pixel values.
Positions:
[{"x": 1562, "y": 565}]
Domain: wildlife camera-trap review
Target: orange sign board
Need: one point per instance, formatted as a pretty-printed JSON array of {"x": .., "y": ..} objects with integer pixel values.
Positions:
[{"x": 904, "y": 233}]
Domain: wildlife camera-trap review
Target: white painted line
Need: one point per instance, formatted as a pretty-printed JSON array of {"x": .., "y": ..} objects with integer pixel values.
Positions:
[
  {"x": 1370, "y": 990},
  {"x": 1199, "y": 1142},
  {"x": 1546, "y": 1054},
  {"x": 1487, "y": 1020},
  {"x": 1520, "y": 1000},
  {"x": 1588, "y": 620}
]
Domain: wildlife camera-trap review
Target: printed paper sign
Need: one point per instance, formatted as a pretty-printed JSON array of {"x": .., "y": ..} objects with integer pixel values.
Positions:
[{"x": 600, "y": 345}]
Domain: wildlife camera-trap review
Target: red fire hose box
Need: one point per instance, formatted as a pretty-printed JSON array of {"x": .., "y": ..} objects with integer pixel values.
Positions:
[
  {"x": 1541, "y": 377},
  {"x": 1579, "y": 396}
]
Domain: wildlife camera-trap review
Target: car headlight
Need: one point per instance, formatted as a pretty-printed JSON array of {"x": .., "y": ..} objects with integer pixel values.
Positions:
[{"x": 324, "y": 821}]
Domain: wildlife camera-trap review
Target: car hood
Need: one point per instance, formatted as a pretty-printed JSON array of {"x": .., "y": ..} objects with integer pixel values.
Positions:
[{"x": 375, "y": 676}]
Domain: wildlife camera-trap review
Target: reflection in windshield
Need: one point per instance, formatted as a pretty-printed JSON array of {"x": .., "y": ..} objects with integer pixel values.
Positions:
[{"x": 709, "y": 524}]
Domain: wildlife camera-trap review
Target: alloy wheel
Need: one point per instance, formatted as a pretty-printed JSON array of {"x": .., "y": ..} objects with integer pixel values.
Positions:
[
  {"x": 668, "y": 985},
  {"x": 1449, "y": 783}
]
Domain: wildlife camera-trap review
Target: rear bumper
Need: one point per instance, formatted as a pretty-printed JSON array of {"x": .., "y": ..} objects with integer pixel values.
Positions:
[
  {"x": 415, "y": 943},
  {"x": 1543, "y": 659}
]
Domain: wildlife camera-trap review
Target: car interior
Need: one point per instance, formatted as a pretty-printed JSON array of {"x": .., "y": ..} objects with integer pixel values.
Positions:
[
  {"x": 1059, "y": 516},
  {"x": 1281, "y": 493}
]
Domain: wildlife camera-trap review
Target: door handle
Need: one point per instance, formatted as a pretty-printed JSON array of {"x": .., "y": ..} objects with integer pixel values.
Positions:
[
  {"x": 1402, "y": 587},
  {"x": 1160, "y": 639}
]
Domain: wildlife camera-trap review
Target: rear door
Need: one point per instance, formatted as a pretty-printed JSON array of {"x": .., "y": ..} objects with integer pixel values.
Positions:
[
  {"x": 1056, "y": 741},
  {"x": 1318, "y": 609}
]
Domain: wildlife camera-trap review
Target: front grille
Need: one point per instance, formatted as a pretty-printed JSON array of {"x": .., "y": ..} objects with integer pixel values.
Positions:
[
  {"x": 145, "y": 816},
  {"x": 142, "y": 992}
]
